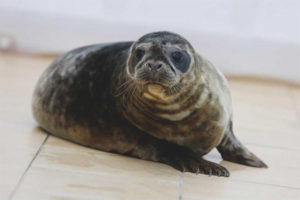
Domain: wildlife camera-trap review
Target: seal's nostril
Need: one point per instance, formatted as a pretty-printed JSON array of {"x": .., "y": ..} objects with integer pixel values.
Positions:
[
  {"x": 149, "y": 65},
  {"x": 154, "y": 66}
]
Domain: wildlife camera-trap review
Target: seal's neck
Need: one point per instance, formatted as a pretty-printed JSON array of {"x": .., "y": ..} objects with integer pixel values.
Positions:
[
  {"x": 153, "y": 101},
  {"x": 160, "y": 94}
]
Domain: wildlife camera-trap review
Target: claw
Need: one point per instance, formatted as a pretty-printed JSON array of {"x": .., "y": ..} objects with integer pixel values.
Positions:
[
  {"x": 198, "y": 165},
  {"x": 210, "y": 172}
]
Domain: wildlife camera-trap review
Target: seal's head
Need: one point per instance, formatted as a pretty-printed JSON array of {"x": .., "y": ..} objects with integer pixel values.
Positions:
[{"x": 161, "y": 58}]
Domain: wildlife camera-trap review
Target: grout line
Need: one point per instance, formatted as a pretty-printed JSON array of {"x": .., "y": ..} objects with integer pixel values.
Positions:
[
  {"x": 268, "y": 184},
  {"x": 26, "y": 170},
  {"x": 180, "y": 186}
]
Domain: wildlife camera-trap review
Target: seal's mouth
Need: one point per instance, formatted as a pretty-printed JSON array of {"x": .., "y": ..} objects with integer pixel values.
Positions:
[
  {"x": 147, "y": 82},
  {"x": 162, "y": 78}
]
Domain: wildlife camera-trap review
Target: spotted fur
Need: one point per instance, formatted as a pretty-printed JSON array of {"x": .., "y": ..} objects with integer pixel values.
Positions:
[{"x": 91, "y": 96}]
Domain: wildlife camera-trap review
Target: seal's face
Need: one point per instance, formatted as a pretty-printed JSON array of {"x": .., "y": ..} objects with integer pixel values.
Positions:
[{"x": 160, "y": 58}]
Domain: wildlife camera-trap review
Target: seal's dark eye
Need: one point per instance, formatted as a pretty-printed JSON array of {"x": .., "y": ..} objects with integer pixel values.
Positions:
[
  {"x": 177, "y": 55},
  {"x": 181, "y": 60},
  {"x": 139, "y": 53}
]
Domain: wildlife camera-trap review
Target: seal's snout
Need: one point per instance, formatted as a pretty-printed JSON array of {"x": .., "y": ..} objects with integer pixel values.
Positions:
[
  {"x": 155, "y": 71},
  {"x": 154, "y": 66}
]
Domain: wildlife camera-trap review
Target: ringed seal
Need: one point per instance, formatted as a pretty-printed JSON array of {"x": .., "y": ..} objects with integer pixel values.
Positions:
[{"x": 154, "y": 99}]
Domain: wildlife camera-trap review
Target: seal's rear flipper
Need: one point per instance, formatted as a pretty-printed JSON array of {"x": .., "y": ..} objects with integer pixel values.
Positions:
[{"x": 233, "y": 150}]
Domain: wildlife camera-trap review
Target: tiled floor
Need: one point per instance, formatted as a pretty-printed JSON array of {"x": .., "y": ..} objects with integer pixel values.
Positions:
[{"x": 36, "y": 166}]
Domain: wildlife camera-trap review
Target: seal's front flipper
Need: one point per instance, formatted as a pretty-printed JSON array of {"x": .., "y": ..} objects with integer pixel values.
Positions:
[
  {"x": 186, "y": 160},
  {"x": 233, "y": 150},
  {"x": 179, "y": 157}
]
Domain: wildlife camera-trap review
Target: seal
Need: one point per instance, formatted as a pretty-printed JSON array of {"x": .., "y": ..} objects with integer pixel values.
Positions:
[{"x": 154, "y": 99}]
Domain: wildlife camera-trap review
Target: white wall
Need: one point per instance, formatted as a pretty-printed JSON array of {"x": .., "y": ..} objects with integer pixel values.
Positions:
[{"x": 252, "y": 37}]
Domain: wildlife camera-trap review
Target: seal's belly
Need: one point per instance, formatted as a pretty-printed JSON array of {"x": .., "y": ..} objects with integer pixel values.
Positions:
[
  {"x": 202, "y": 130},
  {"x": 199, "y": 127}
]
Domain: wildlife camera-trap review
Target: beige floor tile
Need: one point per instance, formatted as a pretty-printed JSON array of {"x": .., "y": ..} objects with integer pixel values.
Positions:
[
  {"x": 295, "y": 91},
  {"x": 288, "y": 140},
  {"x": 86, "y": 160},
  {"x": 258, "y": 118},
  {"x": 5, "y": 191},
  {"x": 20, "y": 140},
  {"x": 264, "y": 107},
  {"x": 58, "y": 143},
  {"x": 214, "y": 188},
  {"x": 267, "y": 96},
  {"x": 41, "y": 183},
  {"x": 261, "y": 88}
]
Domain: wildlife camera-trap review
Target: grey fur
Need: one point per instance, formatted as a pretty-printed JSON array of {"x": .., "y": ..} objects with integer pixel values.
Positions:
[{"x": 102, "y": 96}]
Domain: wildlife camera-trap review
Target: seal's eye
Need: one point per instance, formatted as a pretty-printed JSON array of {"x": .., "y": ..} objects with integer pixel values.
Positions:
[
  {"x": 139, "y": 53},
  {"x": 181, "y": 60},
  {"x": 176, "y": 56}
]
